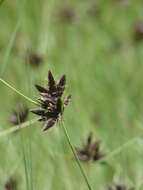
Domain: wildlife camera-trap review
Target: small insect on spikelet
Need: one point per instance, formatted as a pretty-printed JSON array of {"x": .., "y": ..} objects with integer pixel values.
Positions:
[
  {"x": 52, "y": 105},
  {"x": 10, "y": 184},
  {"x": 120, "y": 186},
  {"x": 91, "y": 151},
  {"x": 19, "y": 115}
]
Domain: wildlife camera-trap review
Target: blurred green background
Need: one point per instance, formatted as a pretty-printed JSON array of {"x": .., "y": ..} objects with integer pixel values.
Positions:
[{"x": 94, "y": 44}]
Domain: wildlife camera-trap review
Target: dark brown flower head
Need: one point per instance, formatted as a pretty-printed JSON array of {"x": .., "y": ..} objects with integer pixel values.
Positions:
[
  {"x": 138, "y": 31},
  {"x": 52, "y": 105},
  {"x": 120, "y": 186},
  {"x": 19, "y": 115},
  {"x": 67, "y": 14},
  {"x": 91, "y": 151},
  {"x": 10, "y": 184},
  {"x": 34, "y": 59}
]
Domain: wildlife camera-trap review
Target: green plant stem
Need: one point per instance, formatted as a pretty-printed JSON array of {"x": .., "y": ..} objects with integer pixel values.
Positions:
[
  {"x": 24, "y": 155},
  {"x": 17, "y": 127},
  {"x": 9, "y": 48},
  {"x": 75, "y": 155},
  {"x": 18, "y": 92}
]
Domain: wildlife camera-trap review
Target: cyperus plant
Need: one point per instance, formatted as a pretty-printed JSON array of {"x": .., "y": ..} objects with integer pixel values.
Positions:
[
  {"x": 51, "y": 103},
  {"x": 50, "y": 110},
  {"x": 91, "y": 151}
]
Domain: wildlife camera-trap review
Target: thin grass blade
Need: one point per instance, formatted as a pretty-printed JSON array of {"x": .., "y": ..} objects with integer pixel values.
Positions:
[
  {"x": 18, "y": 92},
  {"x": 76, "y": 157}
]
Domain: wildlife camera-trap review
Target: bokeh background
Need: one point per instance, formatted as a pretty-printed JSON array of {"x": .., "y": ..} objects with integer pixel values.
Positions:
[{"x": 99, "y": 46}]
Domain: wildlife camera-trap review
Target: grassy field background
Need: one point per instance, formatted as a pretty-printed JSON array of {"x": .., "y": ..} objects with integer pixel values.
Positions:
[{"x": 95, "y": 48}]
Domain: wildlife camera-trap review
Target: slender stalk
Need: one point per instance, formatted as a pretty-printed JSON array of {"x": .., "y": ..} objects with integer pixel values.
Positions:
[
  {"x": 24, "y": 155},
  {"x": 25, "y": 165},
  {"x": 18, "y": 92},
  {"x": 30, "y": 164},
  {"x": 75, "y": 155},
  {"x": 12, "y": 38},
  {"x": 17, "y": 127},
  {"x": 9, "y": 48}
]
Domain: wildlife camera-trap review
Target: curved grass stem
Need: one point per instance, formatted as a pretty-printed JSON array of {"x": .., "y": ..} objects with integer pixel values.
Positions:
[
  {"x": 17, "y": 127},
  {"x": 18, "y": 92},
  {"x": 75, "y": 156}
]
